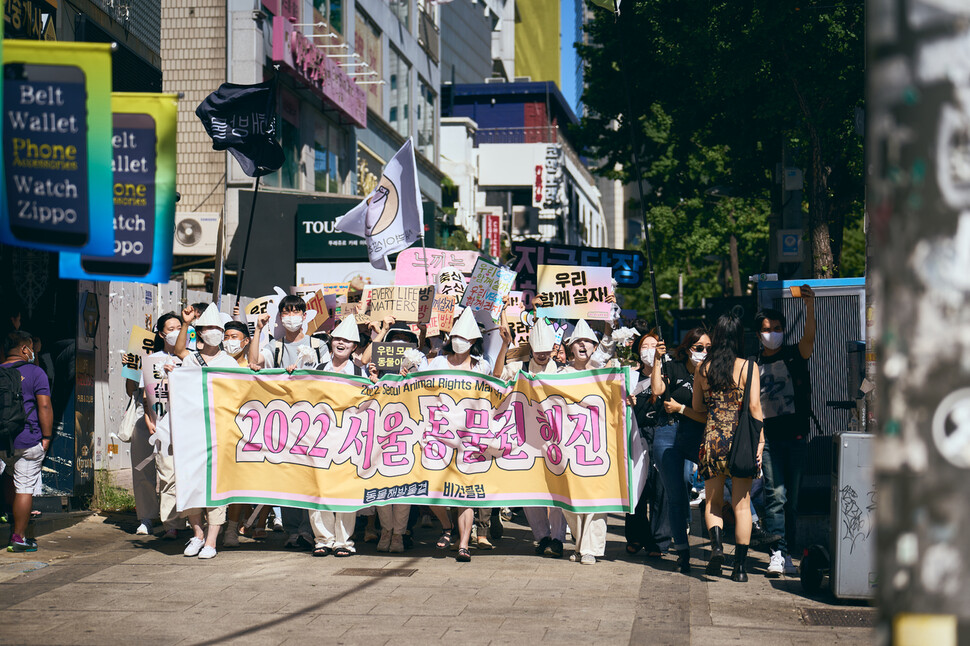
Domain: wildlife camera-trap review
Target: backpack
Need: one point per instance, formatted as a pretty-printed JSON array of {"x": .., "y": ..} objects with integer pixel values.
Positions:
[
  {"x": 315, "y": 343},
  {"x": 13, "y": 417}
]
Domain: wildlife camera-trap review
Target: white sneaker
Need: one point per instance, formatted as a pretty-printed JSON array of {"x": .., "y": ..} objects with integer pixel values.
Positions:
[
  {"x": 193, "y": 547},
  {"x": 207, "y": 552},
  {"x": 231, "y": 537},
  {"x": 588, "y": 559},
  {"x": 397, "y": 544},
  {"x": 574, "y": 557},
  {"x": 145, "y": 528},
  {"x": 776, "y": 566},
  {"x": 277, "y": 524},
  {"x": 384, "y": 544},
  {"x": 790, "y": 569}
]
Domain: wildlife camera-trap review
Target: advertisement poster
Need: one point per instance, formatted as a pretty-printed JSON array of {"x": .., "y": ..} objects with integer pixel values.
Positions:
[
  {"x": 143, "y": 192},
  {"x": 57, "y": 152}
]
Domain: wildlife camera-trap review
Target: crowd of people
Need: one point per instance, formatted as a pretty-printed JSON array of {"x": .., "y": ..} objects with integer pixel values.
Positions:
[{"x": 686, "y": 403}]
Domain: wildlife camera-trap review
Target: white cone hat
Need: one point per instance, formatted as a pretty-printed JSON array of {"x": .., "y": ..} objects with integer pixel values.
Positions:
[
  {"x": 541, "y": 337},
  {"x": 210, "y": 318},
  {"x": 466, "y": 327},
  {"x": 582, "y": 331},
  {"x": 347, "y": 330}
]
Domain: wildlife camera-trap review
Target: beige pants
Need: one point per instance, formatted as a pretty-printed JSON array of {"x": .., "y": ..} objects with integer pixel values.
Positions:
[
  {"x": 589, "y": 532},
  {"x": 143, "y": 480},
  {"x": 333, "y": 529},
  {"x": 394, "y": 517},
  {"x": 165, "y": 468}
]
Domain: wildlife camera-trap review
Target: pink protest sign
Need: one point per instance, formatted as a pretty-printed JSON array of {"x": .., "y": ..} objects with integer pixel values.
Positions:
[{"x": 411, "y": 265}]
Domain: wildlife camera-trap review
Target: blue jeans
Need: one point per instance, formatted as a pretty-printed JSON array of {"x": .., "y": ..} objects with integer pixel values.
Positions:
[
  {"x": 782, "y": 463},
  {"x": 675, "y": 474}
]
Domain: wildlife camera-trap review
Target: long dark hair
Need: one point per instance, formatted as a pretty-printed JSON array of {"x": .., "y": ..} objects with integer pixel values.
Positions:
[
  {"x": 727, "y": 344},
  {"x": 682, "y": 351},
  {"x": 159, "y": 326}
]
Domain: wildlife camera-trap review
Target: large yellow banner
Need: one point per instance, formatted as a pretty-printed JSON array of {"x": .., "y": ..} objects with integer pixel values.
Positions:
[{"x": 325, "y": 441}]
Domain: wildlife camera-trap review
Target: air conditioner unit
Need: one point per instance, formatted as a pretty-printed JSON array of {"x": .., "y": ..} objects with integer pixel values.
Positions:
[{"x": 196, "y": 233}]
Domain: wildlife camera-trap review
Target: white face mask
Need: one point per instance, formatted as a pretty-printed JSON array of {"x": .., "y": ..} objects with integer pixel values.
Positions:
[
  {"x": 172, "y": 337},
  {"x": 647, "y": 355},
  {"x": 772, "y": 340},
  {"x": 698, "y": 357},
  {"x": 292, "y": 323},
  {"x": 232, "y": 346},
  {"x": 212, "y": 337},
  {"x": 32, "y": 356},
  {"x": 460, "y": 345}
]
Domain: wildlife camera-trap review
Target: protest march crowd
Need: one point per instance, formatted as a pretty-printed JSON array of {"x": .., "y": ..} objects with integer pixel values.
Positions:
[{"x": 701, "y": 411}]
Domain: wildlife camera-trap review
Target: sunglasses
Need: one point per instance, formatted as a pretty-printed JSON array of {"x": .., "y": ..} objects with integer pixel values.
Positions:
[{"x": 700, "y": 348}]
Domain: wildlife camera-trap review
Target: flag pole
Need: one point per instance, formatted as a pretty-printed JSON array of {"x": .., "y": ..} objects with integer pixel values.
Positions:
[{"x": 249, "y": 232}]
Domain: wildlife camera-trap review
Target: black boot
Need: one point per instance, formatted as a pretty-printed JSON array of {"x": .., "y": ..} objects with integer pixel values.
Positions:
[
  {"x": 717, "y": 551},
  {"x": 683, "y": 560},
  {"x": 740, "y": 558}
]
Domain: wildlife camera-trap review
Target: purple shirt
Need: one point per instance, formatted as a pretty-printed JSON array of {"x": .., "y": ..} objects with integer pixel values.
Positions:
[{"x": 33, "y": 382}]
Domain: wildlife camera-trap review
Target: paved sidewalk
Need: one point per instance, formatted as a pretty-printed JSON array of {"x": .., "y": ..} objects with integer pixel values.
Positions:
[{"x": 96, "y": 583}]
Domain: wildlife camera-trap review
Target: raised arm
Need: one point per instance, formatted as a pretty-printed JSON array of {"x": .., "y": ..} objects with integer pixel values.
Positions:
[
  {"x": 188, "y": 315},
  {"x": 256, "y": 360},
  {"x": 657, "y": 384},
  {"x": 503, "y": 330}
]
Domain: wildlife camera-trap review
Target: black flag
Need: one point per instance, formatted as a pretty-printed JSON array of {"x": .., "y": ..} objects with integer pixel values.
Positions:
[{"x": 242, "y": 119}]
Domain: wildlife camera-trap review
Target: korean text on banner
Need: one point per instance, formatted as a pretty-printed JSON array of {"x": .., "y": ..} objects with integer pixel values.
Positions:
[
  {"x": 438, "y": 437},
  {"x": 415, "y": 266},
  {"x": 566, "y": 292},
  {"x": 57, "y": 159},
  {"x": 489, "y": 284},
  {"x": 144, "y": 193},
  {"x": 140, "y": 345}
]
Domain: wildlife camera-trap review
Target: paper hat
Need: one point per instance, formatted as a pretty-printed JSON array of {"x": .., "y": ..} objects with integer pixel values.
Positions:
[
  {"x": 582, "y": 331},
  {"x": 210, "y": 318},
  {"x": 541, "y": 338},
  {"x": 347, "y": 330},
  {"x": 466, "y": 327}
]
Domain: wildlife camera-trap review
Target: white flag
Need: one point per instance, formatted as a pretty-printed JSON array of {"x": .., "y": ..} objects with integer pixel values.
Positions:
[{"x": 390, "y": 218}]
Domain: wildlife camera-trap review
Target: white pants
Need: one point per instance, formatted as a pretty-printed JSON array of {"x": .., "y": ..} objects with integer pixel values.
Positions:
[
  {"x": 589, "y": 532},
  {"x": 333, "y": 529},
  {"x": 143, "y": 481},
  {"x": 165, "y": 468},
  {"x": 394, "y": 517},
  {"x": 546, "y": 522}
]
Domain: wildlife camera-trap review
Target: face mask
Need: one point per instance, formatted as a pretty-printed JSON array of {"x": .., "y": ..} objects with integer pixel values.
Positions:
[
  {"x": 772, "y": 340},
  {"x": 292, "y": 323},
  {"x": 212, "y": 337},
  {"x": 172, "y": 337},
  {"x": 647, "y": 355},
  {"x": 32, "y": 356},
  {"x": 698, "y": 357},
  {"x": 460, "y": 345},
  {"x": 232, "y": 346}
]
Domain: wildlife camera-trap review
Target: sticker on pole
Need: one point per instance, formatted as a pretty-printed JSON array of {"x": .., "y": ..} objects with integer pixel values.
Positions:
[{"x": 951, "y": 428}]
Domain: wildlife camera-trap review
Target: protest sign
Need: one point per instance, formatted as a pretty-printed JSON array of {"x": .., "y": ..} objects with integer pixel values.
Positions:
[
  {"x": 140, "y": 345},
  {"x": 419, "y": 266},
  {"x": 452, "y": 282},
  {"x": 257, "y": 307},
  {"x": 360, "y": 310},
  {"x": 486, "y": 288},
  {"x": 57, "y": 156},
  {"x": 573, "y": 292},
  {"x": 156, "y": 382},
  {"x": 405, "y": 303},
  {"x": 320, "y": 306},
  {"x": 442, "y": 314},
  {"x": 387, "y": 356},
  {"x": 438, "y": 437},
  {"x": 144, "y": 193},
  {"x": 328, "y": 289}
]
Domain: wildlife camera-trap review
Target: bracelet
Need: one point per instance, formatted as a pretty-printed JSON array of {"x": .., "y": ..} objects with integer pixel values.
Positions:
[{"x": 683, "y": 407}]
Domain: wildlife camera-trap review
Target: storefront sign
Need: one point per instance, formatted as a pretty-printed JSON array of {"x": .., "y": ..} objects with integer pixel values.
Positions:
[
  {"x": 491, "y": 232},
  {"x": 31, "y": 19},
  {"x": 324, "y": 75},
  {"x": 317, "y": 239}
]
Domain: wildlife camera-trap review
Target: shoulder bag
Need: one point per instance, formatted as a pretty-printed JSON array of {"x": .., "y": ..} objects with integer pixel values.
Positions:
[{"x": 743, "y": 455}]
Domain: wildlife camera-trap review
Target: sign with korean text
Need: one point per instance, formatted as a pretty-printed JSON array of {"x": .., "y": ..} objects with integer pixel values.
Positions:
[
  {"x": 144, "y": 193},
  {"x": 573, "y": 292},
  {"x": 30, "y": 19},
  {"x": 491, "y": 230},
  {"x": 488, "y": 285},
  {"x": 442, "y": 314},
  {"x": 156, "y": 382},
  {"x": 325, "y": 441},
  {"x": 418, "y": 266},
  {"x": 628, "y": 266},
  {"x": 140, "y": 345},
  {"x": 57, "y": 154},
  {"x": 411, "y": 304},
  {"x": 388, "y": 356}
]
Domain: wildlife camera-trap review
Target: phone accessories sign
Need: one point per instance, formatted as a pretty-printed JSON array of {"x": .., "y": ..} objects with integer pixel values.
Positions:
[{"x": 57, "y": 147}]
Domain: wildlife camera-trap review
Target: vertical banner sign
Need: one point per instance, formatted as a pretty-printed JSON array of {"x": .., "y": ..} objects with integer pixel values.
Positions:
[
  {"x": 488, "y": 285},
  {"x": 567, "y": 292},
  {"x": 143, "y": 191},
  {"x": 57, "y": 147},
  {"x": 493, "y": 226}
]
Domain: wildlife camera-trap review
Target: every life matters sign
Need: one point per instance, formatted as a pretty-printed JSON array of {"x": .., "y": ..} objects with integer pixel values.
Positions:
[
  {"x": 321, "y": 440},
  {"x": 143, "y": 142},
  {"x": 57, "y": 147}
]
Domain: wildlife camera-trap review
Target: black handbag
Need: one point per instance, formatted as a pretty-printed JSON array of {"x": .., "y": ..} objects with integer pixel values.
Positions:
[{"x": 743, "y": 455}]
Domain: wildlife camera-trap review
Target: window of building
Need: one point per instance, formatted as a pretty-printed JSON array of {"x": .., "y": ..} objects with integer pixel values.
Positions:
[
  {"x": 330, "y": 12},
  {"x": 288, "y": 176},
  {"x": 401, "y": 9},
  {"x": 400, "y": 72},
  {"x": 330, "y": 159},
  {"x": 425, "y": 117}
]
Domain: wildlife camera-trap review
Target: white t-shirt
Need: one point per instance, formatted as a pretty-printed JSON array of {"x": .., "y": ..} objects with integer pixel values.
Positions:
[
  {"x": 440, "y": 362},
  {"x": 220, "y": 360},
  {"x": 349, "y": 368},
  {"x": 299, "y": 353}
]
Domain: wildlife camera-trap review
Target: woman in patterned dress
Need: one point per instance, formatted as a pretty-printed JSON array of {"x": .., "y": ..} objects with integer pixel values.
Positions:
[{"x": 719, "y": 386}]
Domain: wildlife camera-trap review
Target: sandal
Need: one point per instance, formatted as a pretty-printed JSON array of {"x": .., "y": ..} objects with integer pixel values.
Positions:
[
  {"x": 341, "y": 552},
  {"x": 463, "y": 555},
  {"x": 321, "y": 551},
  {"x": 633, "y": 548},
  {"x": 445, "y": 539}
]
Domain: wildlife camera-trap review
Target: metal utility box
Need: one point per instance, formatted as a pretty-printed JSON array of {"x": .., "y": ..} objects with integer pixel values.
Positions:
[{"x": 853, "y": 569}]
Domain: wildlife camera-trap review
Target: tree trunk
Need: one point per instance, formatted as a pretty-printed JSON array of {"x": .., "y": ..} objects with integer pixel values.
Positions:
[
  {"x": 733, "y": 258},
  {"x": 818, "y": 223}
]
